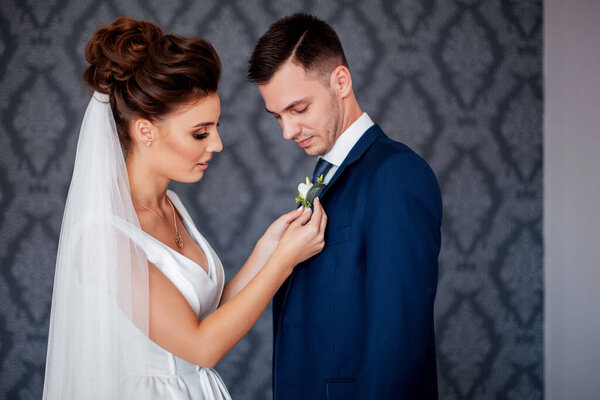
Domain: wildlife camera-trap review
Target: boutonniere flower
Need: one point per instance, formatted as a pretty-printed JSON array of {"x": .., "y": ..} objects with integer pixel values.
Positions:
[{"x": 308, "y": 191}]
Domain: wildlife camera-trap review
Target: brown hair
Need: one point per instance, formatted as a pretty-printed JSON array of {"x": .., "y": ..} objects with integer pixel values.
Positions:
[
  {"x": 146, "y": 73},
  {"x": 301, "y": 38}
]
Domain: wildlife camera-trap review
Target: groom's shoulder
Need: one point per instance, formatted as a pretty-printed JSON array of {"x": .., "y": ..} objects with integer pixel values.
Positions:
[
  {"x": 394, "y": 164},
  {"x": 390, "y": 154}
]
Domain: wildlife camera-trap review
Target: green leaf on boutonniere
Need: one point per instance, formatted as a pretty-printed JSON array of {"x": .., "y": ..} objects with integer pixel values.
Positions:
[{"x": 314, "y": 191}]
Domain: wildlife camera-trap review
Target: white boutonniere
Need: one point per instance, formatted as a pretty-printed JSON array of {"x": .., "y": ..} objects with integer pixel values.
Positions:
[{"x": 308, "y": 191}]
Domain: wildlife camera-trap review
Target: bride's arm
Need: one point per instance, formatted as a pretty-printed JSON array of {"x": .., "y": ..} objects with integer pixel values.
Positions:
[
  {"x": 175, "y": 327},
  {"x": 260, "y": 255}
]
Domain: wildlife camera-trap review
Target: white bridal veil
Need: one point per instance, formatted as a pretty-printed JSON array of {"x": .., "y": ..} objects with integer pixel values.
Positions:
[{"x": 100, "y": 297}]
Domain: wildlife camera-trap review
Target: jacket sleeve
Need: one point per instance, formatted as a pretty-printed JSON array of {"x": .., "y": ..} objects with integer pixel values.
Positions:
[{"x": 402, "y": 239}]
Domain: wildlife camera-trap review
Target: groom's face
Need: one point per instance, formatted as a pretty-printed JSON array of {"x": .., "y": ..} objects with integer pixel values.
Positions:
[{"x": 308, "y": 111}]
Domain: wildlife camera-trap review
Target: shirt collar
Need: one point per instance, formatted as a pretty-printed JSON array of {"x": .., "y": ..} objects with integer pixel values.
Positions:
[{"x": 342, "y": 146}]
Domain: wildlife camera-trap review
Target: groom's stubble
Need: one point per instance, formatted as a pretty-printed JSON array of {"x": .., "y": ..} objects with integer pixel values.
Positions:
[{"x": 320, "y": 119}]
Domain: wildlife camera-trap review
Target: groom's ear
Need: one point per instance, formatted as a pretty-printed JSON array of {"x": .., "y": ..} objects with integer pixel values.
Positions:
[{"x": 341, "y": 81}]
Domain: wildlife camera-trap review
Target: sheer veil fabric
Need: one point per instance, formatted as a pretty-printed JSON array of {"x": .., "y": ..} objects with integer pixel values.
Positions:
[{"x": 100, "y": 297}]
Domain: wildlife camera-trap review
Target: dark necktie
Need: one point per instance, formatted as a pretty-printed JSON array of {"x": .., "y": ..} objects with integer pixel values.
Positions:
[{"x": 321, "y": 168}]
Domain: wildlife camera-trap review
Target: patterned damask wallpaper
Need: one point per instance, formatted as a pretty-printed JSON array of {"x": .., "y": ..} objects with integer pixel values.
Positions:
[{"x": 460, "y": 81}]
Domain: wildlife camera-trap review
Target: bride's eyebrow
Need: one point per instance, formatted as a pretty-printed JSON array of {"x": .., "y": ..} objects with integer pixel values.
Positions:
[{"x": 208, "y": 123}]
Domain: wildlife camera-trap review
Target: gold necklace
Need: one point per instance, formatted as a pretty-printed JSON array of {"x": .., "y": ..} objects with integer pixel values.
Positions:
[{"x": 178, "y": 240}]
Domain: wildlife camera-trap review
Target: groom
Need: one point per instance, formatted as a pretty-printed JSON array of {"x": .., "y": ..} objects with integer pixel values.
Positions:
[{"x": 356, "y": 320}]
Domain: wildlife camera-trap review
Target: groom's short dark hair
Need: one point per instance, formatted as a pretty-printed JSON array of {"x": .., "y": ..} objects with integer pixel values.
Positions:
[{"x": 304, "y": 39}]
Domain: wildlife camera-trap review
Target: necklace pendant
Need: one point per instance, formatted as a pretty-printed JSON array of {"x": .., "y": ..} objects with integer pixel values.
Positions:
[{"x": 178, "y": 240}]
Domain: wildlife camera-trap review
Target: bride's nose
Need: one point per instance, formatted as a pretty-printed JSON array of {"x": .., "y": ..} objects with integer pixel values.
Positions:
[{"x": 215, "y": 145}]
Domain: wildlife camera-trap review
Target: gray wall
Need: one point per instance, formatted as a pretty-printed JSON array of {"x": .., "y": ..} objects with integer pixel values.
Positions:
[
  {"x": 460, "y": 81},
  {"x": 571, "y": 198}
]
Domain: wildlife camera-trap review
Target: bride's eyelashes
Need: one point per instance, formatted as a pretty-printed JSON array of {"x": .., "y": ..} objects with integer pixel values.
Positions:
[{"x": 202, "y": 134}]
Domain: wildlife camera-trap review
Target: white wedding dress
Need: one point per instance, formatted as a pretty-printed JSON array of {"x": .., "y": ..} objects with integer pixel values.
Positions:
[
  {"x": 164, "y": 375},
  {"x": 98, "y": 345}
]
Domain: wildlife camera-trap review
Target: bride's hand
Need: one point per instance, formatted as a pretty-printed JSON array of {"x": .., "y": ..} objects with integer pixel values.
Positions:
[
  {"x": 278, "y": 227},
  {"x": 305, "y": 236},
  {"x": 269, "y": 240}
]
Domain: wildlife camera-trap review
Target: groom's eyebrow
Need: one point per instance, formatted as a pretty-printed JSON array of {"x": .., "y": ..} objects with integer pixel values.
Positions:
[{"x": 291, "y": 105}]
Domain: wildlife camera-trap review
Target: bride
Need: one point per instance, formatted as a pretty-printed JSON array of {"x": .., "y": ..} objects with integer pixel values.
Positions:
[{"x": 139, "y": 307}]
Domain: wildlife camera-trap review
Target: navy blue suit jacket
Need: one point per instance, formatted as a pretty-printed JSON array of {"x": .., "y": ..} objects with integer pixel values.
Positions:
[{"x": 356, "y": 320}]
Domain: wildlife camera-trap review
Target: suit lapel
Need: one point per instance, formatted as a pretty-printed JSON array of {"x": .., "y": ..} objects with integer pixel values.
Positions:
[
  {"x": 366, "y": 140},
  {"x": 355, "y": 154}
]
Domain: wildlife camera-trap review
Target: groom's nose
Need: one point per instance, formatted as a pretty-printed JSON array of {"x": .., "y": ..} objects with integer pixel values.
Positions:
[{"x": 290, "y": 128}]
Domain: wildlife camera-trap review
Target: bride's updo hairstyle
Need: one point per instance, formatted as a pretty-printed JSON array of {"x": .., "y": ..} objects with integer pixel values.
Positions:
[{"x": 146, "y": 73}]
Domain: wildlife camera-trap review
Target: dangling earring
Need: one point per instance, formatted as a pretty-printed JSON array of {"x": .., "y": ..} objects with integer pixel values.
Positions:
[{"x": 148, "y": 143}]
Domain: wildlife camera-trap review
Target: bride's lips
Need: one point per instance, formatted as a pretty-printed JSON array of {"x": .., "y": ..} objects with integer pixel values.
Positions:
[
  {"x": 203, "y": 165},
  {"x": 305, "y": 142}
]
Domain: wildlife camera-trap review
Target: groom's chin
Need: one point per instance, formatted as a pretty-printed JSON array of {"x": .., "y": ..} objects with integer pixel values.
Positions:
[{"x": 313, "y": 151}]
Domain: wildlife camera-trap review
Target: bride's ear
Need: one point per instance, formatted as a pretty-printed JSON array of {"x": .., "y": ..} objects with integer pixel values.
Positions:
[{"x": 143, "y": 132}]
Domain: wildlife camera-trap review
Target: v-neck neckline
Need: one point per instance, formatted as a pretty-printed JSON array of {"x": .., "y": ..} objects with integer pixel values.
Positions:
[{"x": 209, "y": 272}]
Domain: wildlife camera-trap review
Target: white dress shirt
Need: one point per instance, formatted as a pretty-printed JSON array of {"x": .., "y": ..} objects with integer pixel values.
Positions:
[{"x": 345, "y": 143}]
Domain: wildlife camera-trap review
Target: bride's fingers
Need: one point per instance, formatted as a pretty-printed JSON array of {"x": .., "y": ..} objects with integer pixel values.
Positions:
[
  {"x": 291, "y": 216},
  {"x": 323, "y": 222},
  {"x": 304, "y": 217},
  {"x": 317, "y": 213}
]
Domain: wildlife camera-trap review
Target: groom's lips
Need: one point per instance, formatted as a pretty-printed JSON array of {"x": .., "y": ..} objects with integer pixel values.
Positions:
[{"x": 305, "y": 143}]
